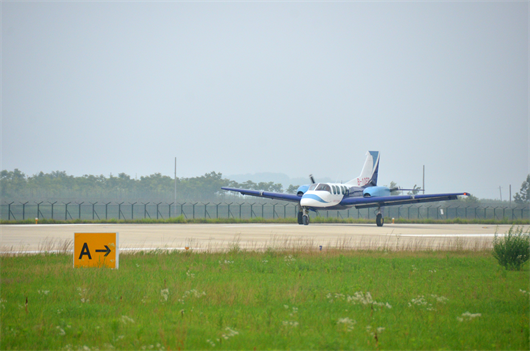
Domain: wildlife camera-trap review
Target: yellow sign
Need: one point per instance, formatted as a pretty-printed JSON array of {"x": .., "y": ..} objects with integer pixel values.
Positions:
[{"x": 96, "y": 250}]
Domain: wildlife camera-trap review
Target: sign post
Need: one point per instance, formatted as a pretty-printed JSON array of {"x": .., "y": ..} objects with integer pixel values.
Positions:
[{"x": 96, "y": 250}]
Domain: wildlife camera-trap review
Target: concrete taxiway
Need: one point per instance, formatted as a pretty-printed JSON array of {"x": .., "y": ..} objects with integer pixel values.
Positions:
[{"x": 38, "y": 237}]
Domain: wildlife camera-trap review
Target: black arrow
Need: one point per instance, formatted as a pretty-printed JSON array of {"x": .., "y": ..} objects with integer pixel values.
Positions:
[{"x": 107, "y": 250}]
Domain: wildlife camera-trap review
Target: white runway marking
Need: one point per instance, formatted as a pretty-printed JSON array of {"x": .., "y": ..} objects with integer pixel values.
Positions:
[
  {"x": 54, "y": 225},
  {"x": 448, "y": 235}
]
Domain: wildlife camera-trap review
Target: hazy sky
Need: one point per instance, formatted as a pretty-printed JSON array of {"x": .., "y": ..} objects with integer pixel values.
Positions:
[{"x": 247, "y": 87}]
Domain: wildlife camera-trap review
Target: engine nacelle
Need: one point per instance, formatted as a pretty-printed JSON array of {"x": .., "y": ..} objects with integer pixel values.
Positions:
[
  {"x": 376, "y": 191},
  {"x": 301, "y": 190}
]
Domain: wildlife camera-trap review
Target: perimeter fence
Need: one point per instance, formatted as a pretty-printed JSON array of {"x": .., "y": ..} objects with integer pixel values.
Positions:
[{"x": 242, "y": 210}]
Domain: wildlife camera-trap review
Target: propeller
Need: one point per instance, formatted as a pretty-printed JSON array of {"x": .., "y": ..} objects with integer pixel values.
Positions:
[{"x": 312, "y": 179}]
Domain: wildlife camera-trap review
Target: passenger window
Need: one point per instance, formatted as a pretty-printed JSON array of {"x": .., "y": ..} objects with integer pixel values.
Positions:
[{"x": 334, "y": 190}]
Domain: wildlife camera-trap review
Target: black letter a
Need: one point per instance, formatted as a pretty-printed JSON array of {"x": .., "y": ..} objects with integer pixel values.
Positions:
[{"x": 85, "y": 251}]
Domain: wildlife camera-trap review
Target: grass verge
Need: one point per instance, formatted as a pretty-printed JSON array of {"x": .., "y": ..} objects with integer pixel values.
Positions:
[{"x": 241, "y": 300}]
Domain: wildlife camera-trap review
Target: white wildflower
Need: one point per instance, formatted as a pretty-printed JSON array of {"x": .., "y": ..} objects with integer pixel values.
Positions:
[
  {"x": 189, "y": 274},
  {"x": 43, "y": 292},
  {"x": 441, "y": 299},
  {"x": 361, "y": 298},
  {"x": 210, "y": 342},
  {"x": 229, "y": 333},
  {"x": 380, "y": 330},
  {"x": 61, "y": 330},
  {"x": 290, "y": 323},
  {"x": 126, "y": 319},
  {"x": 289, "y": 258},
  {"x": 164, "y": 293},
  {"x": 468, "y": 316},
  {"x": 348, "y": 323}
]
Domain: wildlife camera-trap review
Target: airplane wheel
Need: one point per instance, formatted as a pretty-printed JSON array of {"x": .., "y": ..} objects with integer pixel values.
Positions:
[
  {"x": 306, "y": 219},
  {"x": 300, "y": 218},
  {"x": 379, "y": 220}
]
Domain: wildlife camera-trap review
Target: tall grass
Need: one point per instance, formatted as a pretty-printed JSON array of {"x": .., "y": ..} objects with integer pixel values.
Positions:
[{"x": 513, "y": 249}]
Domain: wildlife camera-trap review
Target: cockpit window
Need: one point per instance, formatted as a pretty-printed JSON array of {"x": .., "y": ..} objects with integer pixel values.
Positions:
[
  {"x": 313, "y": 186},
  {"x": 323, "y": 187}
]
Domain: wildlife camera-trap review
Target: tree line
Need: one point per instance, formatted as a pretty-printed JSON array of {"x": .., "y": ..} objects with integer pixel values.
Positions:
[{"x": 58, "y": 185}]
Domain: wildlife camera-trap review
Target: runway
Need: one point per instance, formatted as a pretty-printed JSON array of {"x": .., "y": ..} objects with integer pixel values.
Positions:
[{"x": 35, "y": 237}]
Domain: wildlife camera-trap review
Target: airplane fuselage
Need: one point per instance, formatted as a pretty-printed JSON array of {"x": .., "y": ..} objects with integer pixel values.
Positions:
[{"x": 324, "y": 195}]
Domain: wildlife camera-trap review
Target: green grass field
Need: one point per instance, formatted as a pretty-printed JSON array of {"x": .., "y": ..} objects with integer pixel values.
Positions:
[{"x": 266, "y": 300}]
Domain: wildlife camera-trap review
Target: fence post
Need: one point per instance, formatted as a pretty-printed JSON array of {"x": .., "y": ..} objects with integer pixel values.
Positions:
[
  {"x": 9, "y": 213},
  {"x": 119, "y": 211},
  {"x": 157, "y": 212},
  {"x": 106, "y": 206},
  {"x": 182, "y": 210},
  {"x": 24, "y": 209},
  {"x": 285, "y": 210},
  {"x": 93, "y": 209},
  {"x": 228, "y": 211},
  {"x": 193, "y": 206},
  {"x": 241, "y": 204},
  {"x": 217, "y": 210},
  {"x": 262, "y": 214},
  {"x": 206, "y": 210},
  {"x": 66, "y": 213},
  {"x": 38, "y": 210},
  {"x": 80, "y": 208},
  {"x": 52, "y": 203},
  {"x": 132, "y": 209},
  {"x": 169, "y": 212},
  {"x": 251, "y": 210},
  {"x": 145, "y": 209}
]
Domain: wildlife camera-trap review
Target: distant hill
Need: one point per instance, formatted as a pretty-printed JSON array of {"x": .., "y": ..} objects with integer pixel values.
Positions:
[{"x": 281, "y": 178}]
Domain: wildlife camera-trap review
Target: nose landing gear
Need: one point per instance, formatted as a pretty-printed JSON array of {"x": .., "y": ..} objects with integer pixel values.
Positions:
[{"x": 303, "y": 216}]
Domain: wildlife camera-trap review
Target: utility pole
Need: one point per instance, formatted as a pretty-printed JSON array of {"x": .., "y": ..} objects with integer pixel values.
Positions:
[
  {"x": 500, "y": 191},
  {"x": 510, "y": 195},
  {"x": 175, "y": 187},
  {"x": 423, "y": 187}
]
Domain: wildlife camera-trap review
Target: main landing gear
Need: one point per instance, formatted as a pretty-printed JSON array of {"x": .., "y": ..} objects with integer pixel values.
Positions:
[
  {"x": 303, "y": 216},
  {"x": 379, "y": 220}
]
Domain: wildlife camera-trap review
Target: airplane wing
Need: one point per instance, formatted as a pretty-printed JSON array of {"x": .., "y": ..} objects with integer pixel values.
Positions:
[
  {"x": 365, "y": 202},
  {"x": 266, "y": 194}
]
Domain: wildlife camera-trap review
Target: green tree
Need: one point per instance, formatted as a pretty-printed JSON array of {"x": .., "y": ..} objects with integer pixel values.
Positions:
[
  {"x": 292, "y": 189},
  {"x": 523, "y": 196}
]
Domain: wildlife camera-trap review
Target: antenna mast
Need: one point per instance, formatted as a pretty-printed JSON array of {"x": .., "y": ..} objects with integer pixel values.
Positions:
[{"x": 175, "y": 187}]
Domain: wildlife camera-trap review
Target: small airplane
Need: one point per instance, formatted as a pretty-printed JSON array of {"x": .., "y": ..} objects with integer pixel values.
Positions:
[{"x": 360, "y": 192}]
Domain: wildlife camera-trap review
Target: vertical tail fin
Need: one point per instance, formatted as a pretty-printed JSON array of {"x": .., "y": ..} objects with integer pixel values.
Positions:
[{"x": 370, "y": 171}]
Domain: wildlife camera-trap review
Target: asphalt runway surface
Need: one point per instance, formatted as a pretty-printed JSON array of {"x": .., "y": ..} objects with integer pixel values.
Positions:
[{"x": 133, "y": 237}]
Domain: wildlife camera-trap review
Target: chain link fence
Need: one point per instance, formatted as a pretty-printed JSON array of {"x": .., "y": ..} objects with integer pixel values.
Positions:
[{"x": 242, "y": 210}]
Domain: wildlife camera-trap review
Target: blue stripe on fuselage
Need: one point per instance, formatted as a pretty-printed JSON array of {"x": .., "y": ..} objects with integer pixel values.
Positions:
[{"x": 314, "y": 197}]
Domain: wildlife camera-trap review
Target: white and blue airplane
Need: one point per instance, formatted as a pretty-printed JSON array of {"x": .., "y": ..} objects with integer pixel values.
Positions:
[{"x": 360, "y": 192}]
